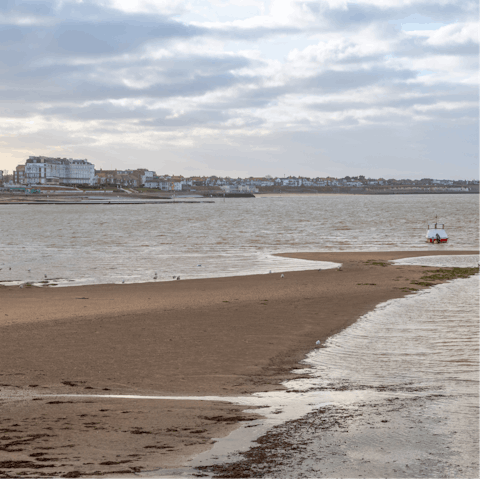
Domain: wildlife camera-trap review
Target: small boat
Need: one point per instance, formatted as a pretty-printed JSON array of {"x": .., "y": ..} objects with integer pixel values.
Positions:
[{"x": 436, "y": 233}]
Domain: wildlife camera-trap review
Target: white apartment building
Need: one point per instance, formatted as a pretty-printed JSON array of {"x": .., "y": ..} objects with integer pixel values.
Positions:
[{"x": 41, "y": 170}]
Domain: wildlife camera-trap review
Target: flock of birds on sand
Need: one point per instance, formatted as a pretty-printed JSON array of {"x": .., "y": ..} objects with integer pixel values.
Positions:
[{"x": 175, "y": 277}]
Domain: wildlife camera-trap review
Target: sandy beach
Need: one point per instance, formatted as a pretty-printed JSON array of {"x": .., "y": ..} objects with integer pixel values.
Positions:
[{"x": 224, "y": 337}]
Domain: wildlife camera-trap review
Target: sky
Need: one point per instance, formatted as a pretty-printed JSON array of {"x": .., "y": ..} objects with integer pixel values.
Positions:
[{"x": 239, "y": 88}]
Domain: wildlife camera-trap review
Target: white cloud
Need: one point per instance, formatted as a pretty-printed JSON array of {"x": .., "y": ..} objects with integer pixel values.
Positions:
[{"x": 455, "y": 34}]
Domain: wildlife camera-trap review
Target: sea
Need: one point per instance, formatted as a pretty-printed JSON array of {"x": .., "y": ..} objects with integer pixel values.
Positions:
[
  {"x": 394, "y": 395},
  {"x": 67, "y": 245}
]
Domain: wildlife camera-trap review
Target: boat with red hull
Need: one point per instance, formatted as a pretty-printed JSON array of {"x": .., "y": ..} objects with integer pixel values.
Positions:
[{"x": 436, "y": 233}]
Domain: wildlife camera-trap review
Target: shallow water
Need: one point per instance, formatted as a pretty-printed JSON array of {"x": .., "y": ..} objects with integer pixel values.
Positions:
[{"x": 81, "y": 244}]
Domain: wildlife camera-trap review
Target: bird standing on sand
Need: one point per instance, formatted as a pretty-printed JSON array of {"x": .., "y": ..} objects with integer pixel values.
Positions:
[
  {"x": 174, "y": 277},
  {"x": 178, "y": 277},
  {"x": 339, "y": 268},
  {"x": 45, "y": 276},
  {"x": 123, "y": 281},
  {"x": 318, "y": 343},
  {"x": 282, "y": 276}
]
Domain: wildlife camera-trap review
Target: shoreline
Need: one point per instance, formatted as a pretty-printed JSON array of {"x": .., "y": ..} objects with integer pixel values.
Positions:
[{"x": 218, "y": 336}]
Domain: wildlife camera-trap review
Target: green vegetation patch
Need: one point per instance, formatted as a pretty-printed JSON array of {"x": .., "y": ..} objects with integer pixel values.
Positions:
[
  {"x": 422, "y": 283},
  {"x": 443, "y": 274},
  {"x": 376, "y": 263}
]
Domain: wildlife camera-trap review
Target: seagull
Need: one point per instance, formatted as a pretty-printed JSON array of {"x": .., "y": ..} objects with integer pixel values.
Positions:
[
  {"x": 339, "y": 268},
  {"x": 174, "y": 277},
  {"x": 318, "y": 343},
  {"x": 123, "y": 281},
  {"x": 29, "y": 270},
  {"x": 9, "y": 269},
  {"x": 178, "y": 277},
  {"x": 282, "y": 276},
  {"x": 320, "y": 269},
  {"x": 21, "y": 286},
  {"x": 270, "y": 272},
  {"x": 199, "y": 265},
  {"x": 45, "y": 276}
]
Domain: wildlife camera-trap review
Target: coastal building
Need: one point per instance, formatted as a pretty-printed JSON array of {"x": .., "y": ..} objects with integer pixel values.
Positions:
[
  {"x": 42, "y": 170},
  {"x": 166, "y": 183},
  {"x": 128, "y": 178},
  {"x": 19, "y": 175},
  {"x": 239, "y": 189}
]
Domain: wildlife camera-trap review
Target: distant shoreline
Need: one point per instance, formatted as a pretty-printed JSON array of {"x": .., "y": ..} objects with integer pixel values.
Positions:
[
  {"x": 365, "y": 193},
  {"x": 152, "y": 198}
]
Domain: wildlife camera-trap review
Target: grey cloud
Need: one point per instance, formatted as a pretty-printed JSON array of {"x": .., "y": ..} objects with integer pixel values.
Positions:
[
  {"x": 354, "y": 14},
  {"x": 417, "y": 47},
  {"x": 394, "y": 98},
  {"x": 106, "y": 111},
  {"x": 235, "y": 33},
  {"x": 199, "y": 117},
  {"x": 84, "y": 30},
  {"x": 109, "y": 37},
  {"x": 26, "y": 7},
  {"x": 325, "y": 82},
  {"x": 347, "y": 80},
  {"x": 185, "y": 76},
  {"x": 94, "y": 91},
  {"x": 357, "y": 15},
  {"x": 465, "y": 113},
  {"x": 86, "y": 39}
]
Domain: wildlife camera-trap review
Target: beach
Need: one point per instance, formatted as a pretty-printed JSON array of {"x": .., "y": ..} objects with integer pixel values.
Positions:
[{"x": 202, "y": 337}]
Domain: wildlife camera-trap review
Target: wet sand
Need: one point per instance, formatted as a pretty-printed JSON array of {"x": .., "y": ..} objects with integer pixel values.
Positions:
[{"x": 224, "y": 337}]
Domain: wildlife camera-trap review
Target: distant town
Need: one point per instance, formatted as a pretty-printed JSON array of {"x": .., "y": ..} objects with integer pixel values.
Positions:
[{"x": 44, "y": 172}]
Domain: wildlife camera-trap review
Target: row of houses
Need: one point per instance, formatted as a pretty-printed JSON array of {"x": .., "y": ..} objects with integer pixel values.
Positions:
[{"x": 42, "y": 170}]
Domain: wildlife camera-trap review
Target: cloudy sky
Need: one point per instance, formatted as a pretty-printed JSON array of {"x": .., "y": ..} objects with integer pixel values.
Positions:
[{"x": 384, "y": 88}]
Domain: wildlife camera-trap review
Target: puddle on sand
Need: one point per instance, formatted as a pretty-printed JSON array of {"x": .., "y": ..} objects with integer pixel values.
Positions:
[{"x": 463, "y": 261}]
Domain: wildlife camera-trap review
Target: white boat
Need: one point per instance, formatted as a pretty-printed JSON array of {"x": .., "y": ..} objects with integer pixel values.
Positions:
[{"x": 436, "y": 233}]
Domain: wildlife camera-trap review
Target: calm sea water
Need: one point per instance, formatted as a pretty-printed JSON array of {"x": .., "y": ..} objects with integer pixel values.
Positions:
[{"x": 80, "y": 244}]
